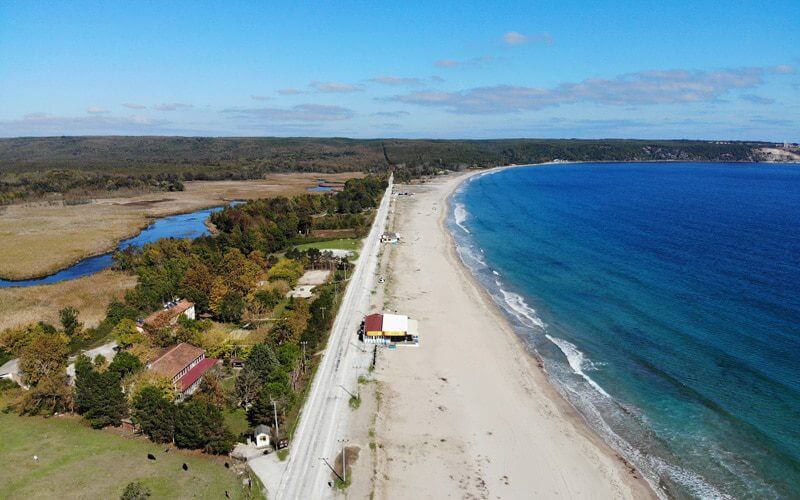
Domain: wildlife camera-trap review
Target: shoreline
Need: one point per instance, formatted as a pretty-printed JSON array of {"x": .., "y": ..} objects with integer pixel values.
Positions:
[
  {"x": 535, "y": 363},
  {"x": 471, "y": 409}
]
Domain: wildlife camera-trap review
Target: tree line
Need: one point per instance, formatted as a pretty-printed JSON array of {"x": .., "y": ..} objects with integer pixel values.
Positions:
[{"x": 139, "y": 161}]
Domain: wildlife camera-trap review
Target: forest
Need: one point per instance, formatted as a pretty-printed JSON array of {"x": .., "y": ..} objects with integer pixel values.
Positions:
[{"x": 32, "y": 166}]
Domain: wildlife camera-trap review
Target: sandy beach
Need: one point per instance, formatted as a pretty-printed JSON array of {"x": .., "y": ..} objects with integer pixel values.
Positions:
[{"x": 469, "y": 413}]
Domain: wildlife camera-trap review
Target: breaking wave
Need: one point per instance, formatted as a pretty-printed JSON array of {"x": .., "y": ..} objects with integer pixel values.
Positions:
[
  {"x": 577, "y": 361},
  {"x": 460, "y": 215},
  {"x": 588, "y": 399}
]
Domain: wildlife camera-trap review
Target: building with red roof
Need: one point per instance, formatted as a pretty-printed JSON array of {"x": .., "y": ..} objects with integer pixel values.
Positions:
[
  {"x": 185, "y": 365},
  {"x": 389, "y": 329},
  {"x": 168, "y": 316}
]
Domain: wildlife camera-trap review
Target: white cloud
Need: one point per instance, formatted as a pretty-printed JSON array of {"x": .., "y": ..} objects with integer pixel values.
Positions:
[
  {"x": 290, "y": 91},
  {"x": 299, "y": 113},
  {"x": 396, "y": 80},
  {"x": 172, "y": 106},
  {"x": 48, "y": 124},
  {"x": 757, "y": 99},
  {"x": 335, "y": 87},
  {"x": 648, "y": 87},
  {"x": 516, "y": 38},
  {"x": 96, "y": 110},
  {"x": 391, "y": 114},
  {"x": 453, "y": 63},
  {"x": 447, "y": 63},
  {"x": 260, "y": 98},
  {"x": 133, "y": 105},
  {"x": 782, "y": 69}
]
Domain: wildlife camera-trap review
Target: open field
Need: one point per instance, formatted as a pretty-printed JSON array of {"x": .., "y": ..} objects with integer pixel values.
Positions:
[
  {"x": 340, "y": 244},
  {"x": 78, "y": 462},
  {"x": 37, "y": 239},
  {"x": 90, "y": 295}
]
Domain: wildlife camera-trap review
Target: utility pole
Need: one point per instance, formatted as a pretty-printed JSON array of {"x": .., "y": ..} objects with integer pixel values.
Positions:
[
  {"x": 344, "y": 460},
  {"x": 275, "y": 410}
]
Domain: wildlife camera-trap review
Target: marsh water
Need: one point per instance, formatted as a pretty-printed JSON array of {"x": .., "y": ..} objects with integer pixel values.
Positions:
[{"x": 190, "y": 225}]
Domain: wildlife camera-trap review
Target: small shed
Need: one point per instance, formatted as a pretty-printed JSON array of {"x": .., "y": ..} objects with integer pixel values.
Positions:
[{"x": 261, "y": 436}]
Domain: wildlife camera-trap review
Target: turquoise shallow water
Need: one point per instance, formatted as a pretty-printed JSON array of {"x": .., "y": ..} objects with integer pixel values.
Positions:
[{"x": 664, "y": 300}]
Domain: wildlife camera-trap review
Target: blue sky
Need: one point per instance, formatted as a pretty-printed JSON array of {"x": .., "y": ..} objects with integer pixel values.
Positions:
[{"x": 706, "y": 70}]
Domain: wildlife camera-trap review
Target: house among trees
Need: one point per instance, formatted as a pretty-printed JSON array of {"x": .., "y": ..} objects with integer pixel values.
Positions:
[
  {"x": 389, "y": 329},
  {"x": 168, "y": 316},
  {"x": 185, "y": 365}
]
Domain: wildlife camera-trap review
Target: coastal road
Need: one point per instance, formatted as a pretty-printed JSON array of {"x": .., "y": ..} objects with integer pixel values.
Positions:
[{"x": 323, "y": 420}]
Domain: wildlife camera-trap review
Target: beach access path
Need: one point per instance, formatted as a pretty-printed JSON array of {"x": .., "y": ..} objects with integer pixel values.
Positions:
[
  {"x": 469, "y": 413},
  {"x": 323, "y": 420}
]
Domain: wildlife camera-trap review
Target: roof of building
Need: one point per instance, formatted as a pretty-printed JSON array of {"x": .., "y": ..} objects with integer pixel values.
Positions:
[
  {"x": 261, "y": 429},
  {"x": 373, "y": 323},
  {"x": 395, "y": 323},
  {"x": 162, "y": 317},
  {"x": 195, "y": 373},
  {"x": 175, "y": 359}
]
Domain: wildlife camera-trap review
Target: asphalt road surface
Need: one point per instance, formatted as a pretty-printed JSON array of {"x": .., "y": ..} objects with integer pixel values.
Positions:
[{"x": 323, "y": 420}]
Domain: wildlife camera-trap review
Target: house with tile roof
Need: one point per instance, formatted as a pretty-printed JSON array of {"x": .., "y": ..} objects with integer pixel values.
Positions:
[{"x": 184, "y": 365}]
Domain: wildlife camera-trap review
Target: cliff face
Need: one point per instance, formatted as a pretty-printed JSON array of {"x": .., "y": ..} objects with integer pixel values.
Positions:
[{"x": 778, "y": 155}]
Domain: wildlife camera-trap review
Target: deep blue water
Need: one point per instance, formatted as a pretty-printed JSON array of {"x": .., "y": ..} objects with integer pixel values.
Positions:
[
  {"x": 189, "y": 225},
  {"x": 664, "y": 300}
]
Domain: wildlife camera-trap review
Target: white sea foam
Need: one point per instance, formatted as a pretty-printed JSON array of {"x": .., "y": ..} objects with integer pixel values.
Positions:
[
  {"x": 460, "y": 215},
  {"x": 653, "y": 466},
  {"x": 577, "y": 361},
  {"x": 516, "y": 305},
  {"x": 468, "y": 254}
]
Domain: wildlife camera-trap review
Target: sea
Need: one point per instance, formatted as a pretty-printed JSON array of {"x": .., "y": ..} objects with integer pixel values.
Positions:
[{"x": 664, "y": 302}]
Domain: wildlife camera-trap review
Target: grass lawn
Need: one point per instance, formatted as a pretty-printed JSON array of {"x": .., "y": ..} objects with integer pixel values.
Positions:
[
  {"x": 352, "y": 244},
  {"x": 78, "y": 462},
  {"x": 236, "y": 420},
  {"x": 340, "y": 244}
]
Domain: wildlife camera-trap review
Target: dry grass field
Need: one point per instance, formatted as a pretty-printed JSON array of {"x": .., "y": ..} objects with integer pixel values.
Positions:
[
  {"x": 90, "y": 295},
  {"x": 37, "y": 239}
]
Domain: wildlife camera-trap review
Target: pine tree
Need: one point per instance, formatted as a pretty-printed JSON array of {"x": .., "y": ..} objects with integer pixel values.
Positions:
[
  {"x": 155, "y": 414},
  {"x": 98, "y": 395}
]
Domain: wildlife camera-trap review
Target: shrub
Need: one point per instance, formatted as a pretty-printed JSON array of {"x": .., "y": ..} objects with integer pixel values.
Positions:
[{"x": 135, "y": 491}]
